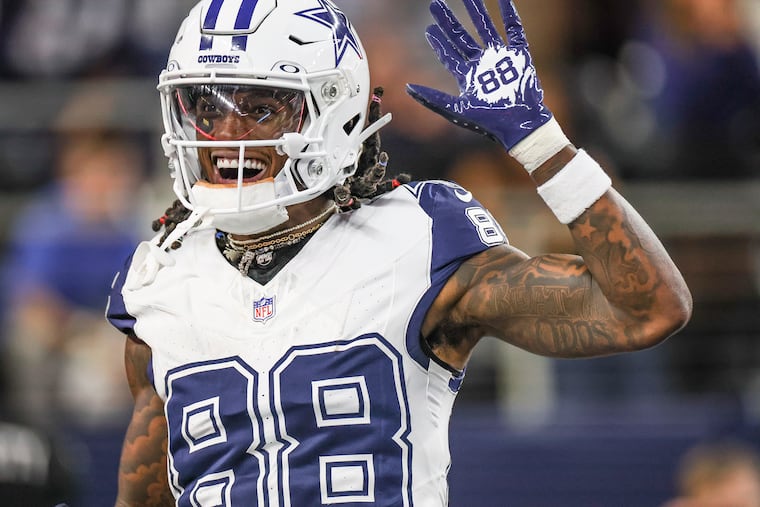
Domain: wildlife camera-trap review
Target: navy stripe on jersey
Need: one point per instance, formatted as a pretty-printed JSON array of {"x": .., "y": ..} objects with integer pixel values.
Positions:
[
  {"x": 116, "y": 310},
  {"x": 456, "y": 237}
]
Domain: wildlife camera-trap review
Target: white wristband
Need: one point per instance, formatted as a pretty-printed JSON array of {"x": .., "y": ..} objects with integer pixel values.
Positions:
[
  {"x": 575, "y": 187},
  {"x": 541, "y": 145}
]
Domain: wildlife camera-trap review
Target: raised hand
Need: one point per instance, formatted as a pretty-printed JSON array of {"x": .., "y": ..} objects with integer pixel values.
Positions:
[{"x": 500, "y": 94}]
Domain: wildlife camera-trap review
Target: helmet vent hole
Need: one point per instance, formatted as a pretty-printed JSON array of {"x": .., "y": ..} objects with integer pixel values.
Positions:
[{"x": 350, "y": 125}]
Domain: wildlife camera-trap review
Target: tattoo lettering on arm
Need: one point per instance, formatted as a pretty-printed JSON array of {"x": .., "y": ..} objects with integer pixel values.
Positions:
[
  {"x": 622, "y": 293},
  {"x": 546, "y": 304},
  {"x": 553, "y": 297},
  {"x": 143, "y": 479}
]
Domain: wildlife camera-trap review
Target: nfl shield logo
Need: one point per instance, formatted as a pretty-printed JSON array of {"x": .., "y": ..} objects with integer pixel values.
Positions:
[{"x": 263, "y": 309}]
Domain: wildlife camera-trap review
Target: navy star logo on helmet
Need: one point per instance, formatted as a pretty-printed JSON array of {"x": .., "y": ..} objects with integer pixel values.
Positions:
[{"x": 330, "y": 16}]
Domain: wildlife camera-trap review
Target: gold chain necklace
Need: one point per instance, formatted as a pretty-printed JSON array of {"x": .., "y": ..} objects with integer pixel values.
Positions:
[{"x": 261, "y": 250}]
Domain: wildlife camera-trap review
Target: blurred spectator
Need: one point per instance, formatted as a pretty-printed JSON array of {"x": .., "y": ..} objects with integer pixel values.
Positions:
[
  {"x": 63, "y": 366},
  {"x": 681, "y": 98},
  {"x": 670, "y": 90},
  {"x": 63, "y": 251},
  {"x": 719, "y": 474},
  {"x": 33, "y": 468},
  {"x": 65, "y": 38},
  {"x": 418, "y": 143}
]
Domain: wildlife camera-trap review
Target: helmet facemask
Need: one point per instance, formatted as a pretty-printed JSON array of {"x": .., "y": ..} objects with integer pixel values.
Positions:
[
  {"x": 281, "y": 102},
  {"x": 220, "y": 113}
]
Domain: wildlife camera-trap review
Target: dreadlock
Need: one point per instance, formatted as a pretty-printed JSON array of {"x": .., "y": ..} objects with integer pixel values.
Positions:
[
  {"x": 368, "y": 181},
  {"x": 174, "y": 214}
]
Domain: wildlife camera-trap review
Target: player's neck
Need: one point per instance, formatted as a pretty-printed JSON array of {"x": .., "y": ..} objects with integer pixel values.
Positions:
[
  {"x": 300, "y": 216},
  {"x": 265, "y": 254}
]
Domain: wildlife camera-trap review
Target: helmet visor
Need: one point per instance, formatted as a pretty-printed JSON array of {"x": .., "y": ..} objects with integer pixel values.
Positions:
[{"x": 234, "y": 113}]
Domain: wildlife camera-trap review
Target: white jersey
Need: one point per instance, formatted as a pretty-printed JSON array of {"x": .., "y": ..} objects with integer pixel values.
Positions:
[{"x": 316, "y": 388}]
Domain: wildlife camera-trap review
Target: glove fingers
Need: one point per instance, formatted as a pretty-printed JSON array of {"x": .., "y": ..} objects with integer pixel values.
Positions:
[
  {"x": 447, "y": 54},
  {"x": 483, "y": 23},
  {"x": 450, "y": 107},
  {"x": 435, "y": 100},
  {"x": 453, "y": 29},
  {"x": 512, "y": 24}
]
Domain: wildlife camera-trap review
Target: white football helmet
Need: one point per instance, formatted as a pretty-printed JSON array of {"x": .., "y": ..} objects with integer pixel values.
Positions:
[{"x": 303, "y": 56}]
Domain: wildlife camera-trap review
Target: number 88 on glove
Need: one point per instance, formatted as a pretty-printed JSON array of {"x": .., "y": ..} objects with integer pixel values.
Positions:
[{"x": 500, "y": 94}]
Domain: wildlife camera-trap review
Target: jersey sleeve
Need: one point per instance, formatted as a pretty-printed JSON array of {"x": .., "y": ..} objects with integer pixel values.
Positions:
[
  {"x": 461, "y": 228},
  {"x": 116, "y": 309}
]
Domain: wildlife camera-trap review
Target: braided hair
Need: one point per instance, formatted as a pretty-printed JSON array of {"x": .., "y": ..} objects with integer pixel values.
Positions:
[
  {"x": 369, "y": 179},
  {"x": 368, "y": 182}
]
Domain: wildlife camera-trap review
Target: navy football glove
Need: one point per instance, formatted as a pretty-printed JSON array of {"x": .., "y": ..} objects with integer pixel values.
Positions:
[{"x": 500, "y": 94}]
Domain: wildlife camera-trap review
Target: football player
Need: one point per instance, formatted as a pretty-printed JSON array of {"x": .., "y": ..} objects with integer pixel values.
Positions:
[{"x": 298, "y": 330}]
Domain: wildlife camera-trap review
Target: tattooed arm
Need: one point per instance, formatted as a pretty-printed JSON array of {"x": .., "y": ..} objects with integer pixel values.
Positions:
[
  {"x": 143, "y": 480},
  {"x": 622, "y": 293}
]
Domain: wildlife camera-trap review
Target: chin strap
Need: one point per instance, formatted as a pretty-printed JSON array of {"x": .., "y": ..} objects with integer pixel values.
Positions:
[{"x": 150, "y": 257}]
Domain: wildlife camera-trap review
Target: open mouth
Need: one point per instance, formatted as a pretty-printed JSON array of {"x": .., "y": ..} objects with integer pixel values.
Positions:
[{"x": 228, "y": 168}]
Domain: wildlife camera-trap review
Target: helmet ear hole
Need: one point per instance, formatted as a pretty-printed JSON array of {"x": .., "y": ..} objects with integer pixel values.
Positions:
[{"x": 351, "y": 124}]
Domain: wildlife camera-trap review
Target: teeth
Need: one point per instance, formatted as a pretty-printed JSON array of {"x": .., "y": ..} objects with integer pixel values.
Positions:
[{"x": 232, "y": 163}]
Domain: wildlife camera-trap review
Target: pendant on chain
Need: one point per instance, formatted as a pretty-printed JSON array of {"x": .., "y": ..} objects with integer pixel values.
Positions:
[{"x": 264, "y": 259}]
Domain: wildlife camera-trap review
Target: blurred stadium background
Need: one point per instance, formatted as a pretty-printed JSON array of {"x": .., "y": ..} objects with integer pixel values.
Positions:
[{"x": 666, "y": 93}]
